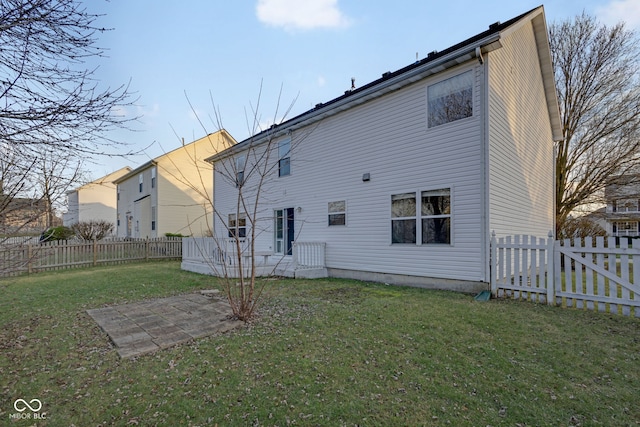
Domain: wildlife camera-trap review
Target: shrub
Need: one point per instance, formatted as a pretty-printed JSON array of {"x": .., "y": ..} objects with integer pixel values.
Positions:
[
  {"x": 56, "y": 233},
  {"x": 174, "y": 235},
  {"x": 92, "y": 230}
]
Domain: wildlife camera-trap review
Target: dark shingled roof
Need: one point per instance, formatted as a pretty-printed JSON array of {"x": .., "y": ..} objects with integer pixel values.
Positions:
[{"x": 495, "y": 28}]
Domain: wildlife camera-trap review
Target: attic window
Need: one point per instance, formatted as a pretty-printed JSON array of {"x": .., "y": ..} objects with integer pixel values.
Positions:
[{"x": 450, "y": 99}]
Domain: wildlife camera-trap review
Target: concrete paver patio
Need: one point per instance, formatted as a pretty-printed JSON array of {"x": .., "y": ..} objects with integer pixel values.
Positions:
[{"x": 147, "y": 326}]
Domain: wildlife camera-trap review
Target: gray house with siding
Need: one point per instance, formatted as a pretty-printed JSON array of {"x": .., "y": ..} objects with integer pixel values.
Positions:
[{"x": 403, "y": 180}]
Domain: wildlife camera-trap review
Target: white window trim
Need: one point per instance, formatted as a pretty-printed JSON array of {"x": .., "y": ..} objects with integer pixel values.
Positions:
[
  {"x": 418, "y": 217},
  {"x": 442, "y": 78},
  {"x": 344, "y": 212},
  {"x": 282, "y": 141}
]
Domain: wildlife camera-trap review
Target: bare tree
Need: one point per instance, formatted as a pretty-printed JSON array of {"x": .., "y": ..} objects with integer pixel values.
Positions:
[
  {"x": 17, "y": 215},
  {"x": 54, "y": 175},
  {"x": 50, "y": 99},
  {"x": 48, "y": 94},
  {"x": 249, "y": 169},
  {"x": 598, "y": 83}
]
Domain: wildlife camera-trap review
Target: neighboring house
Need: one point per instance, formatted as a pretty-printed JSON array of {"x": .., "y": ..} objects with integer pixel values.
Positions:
[
  {"x": 623, "y": 207},
  {"x": 22, "y": 215},
  {"x": 404, "y": 179},
  {"x": 94, "y": 201},
  {"x": 171, "y": 193}
]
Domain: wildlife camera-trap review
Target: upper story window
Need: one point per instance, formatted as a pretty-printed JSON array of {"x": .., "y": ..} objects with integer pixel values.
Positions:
[
  {"x": 240, "y": 162},
  {"x": 153, "y": 177},
  {"x": 450, "y": 99},
  {"x": 626, "y": 205},
  {"x": 284, "y": 157},
  {"x": 140, "y": 183},
  {"x": 338, "y": 213}
]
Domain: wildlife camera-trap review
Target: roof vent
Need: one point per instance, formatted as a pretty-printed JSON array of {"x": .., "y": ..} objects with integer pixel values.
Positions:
[
  {"x": 385, "y": 75},
  {"x": 494, "y": 25},
  {"x": 319, "y": 105},
  {"x": 432, "y": 54}
]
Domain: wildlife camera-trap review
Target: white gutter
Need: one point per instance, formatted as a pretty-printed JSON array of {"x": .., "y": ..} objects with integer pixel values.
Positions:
[{"x": 452, "y": 59}]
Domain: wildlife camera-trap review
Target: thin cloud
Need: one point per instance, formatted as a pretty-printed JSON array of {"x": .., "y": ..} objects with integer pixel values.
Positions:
[
  {"x": 302, "y": 15},
  {"x": 616, "y": 11}
]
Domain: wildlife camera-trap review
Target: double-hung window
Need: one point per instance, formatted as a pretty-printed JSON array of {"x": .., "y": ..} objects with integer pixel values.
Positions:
[
  {"x": 240, "y": 162},
  {"x": 338, "y": 213},
  {"x": 436, "y": 216},
  {"x": 153, "y": 217},
  {"x": 430, "y": 224},
  {"x": 626, "y": 205},
  {"x": 153, "y": 177},
  {"x": 450, "y": 99},
  {"x": 403, "y": 218},
  {"x": 284, "y": 157},
  {"x": 140, "y": 183}
]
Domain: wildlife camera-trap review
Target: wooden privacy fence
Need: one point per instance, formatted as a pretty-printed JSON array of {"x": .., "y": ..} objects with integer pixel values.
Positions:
[
  {"x": 63, "y": 254},
  {"x": 604, "y": 276}
]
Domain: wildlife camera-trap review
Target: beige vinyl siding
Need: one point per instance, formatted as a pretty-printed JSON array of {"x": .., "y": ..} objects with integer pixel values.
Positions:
[
  {"x": 185, "y": 187},
  {"x": 182, "y": 192},
  {"x": 95, "y": 201},
  {"x": 387, "y": 138},
  {"x": 128, "y": 193},
  {"x": 520, "y": 144}
]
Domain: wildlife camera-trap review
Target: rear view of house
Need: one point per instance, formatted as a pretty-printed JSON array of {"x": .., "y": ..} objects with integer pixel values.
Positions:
[
  {"x": 402, "y": 180},
  {"x": 171, "y": 193},
  {"x": 94, "y": 201}
]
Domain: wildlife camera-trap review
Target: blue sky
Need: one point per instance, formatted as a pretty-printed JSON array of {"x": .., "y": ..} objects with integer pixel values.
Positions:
[{"x": 218, "y": 54}]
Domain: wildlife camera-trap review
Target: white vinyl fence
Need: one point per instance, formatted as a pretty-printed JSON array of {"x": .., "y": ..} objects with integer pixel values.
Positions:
[{"x": 598, "y": 274}]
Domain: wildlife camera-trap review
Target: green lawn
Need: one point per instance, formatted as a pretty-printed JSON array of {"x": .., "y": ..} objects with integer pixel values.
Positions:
[{"x": 323, "y": 352}]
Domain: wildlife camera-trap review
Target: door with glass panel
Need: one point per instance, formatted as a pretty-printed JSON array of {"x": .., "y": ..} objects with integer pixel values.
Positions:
[{"x": 284, "y": 231}]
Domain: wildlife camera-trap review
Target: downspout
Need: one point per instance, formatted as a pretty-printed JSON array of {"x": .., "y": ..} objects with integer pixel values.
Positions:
[{"x": 485, "y": 193}]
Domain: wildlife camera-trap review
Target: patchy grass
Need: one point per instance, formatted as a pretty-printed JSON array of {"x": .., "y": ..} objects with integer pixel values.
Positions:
[{"x": 323, "y": 352}]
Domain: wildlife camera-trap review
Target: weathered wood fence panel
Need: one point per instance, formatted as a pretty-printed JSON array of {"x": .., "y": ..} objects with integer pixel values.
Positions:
[
  {"x": 63, "y": 254},
  {"x": 600, "y": 276}
]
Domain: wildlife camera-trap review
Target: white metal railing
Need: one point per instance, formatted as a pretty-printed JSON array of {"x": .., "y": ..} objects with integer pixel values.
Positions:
[
  {"x": 308, "y": 255},
  {"x": 210, "y": 250}
]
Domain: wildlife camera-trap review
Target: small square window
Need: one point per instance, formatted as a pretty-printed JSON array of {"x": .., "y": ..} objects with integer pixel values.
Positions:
[
  {"x": 337, "y": 213},
  {"x": 237, "y": 227}
]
